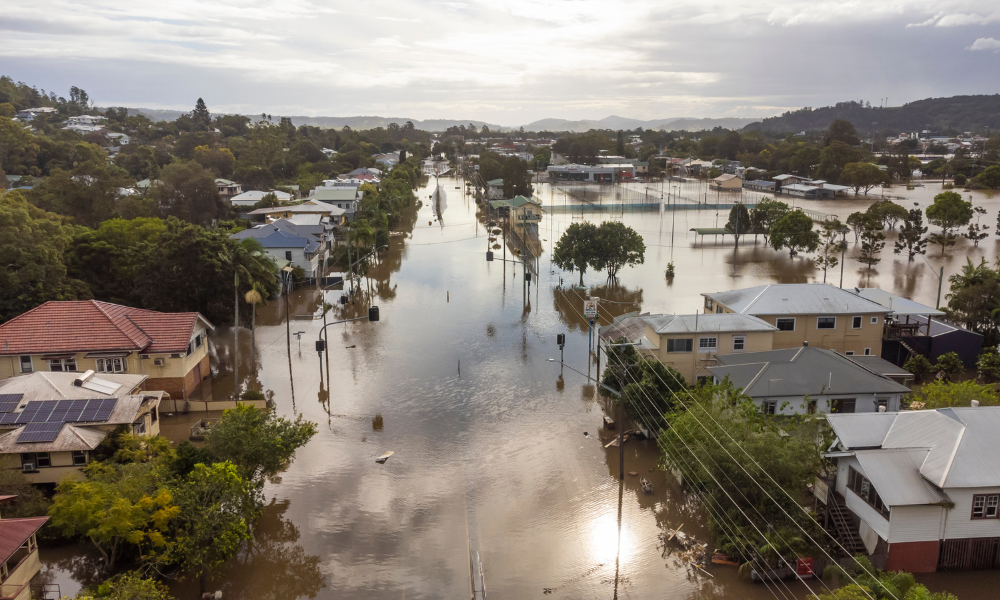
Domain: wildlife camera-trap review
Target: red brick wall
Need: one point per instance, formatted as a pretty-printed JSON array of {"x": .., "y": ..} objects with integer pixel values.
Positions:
[
  {"x": 171, "y": 385},
  {"x": 913, "y": 557}
]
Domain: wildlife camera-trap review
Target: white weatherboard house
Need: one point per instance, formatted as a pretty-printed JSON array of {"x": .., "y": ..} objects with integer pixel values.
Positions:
[
  {"x": 809, "y": 380},
  {"x": 922, "y": 487}
]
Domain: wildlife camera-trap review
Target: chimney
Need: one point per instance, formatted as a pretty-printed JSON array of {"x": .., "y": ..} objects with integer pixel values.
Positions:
[
  {"x": 975, "y": 404},
  {"x": 805, "y": 344}
]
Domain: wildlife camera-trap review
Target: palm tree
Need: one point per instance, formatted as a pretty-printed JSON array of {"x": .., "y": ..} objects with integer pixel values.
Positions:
[
  {"x": 360, "y": 232},
  {"x": 253, "y": 297},
  {"x": 246, "y": 257}
]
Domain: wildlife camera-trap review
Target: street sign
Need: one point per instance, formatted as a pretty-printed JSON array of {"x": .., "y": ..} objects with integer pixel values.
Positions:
[
  {"x": 590, "y": 309},
  {"x": 804, "y": 568}
]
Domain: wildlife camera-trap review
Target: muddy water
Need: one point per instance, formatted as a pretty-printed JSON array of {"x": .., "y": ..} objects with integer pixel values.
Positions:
[{"x": 495, "y": 452}]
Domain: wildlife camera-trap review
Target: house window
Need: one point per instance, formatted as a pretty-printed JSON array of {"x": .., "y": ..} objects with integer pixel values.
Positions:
[
  {"x": 826, "y": 322},
  {"x": 79, "y": 458},
  {"x": 849, "y": 353},
  {"x": 874, "y": 320},
  {"x": 785, "y": 324},
  {"x": 811, "y": 407},
  {"x": 984, "y": 506},
  {"x": 882, "y": 402},
  {"x": 718, "y": 309},
  {"x": 706, "y": 345},
  {"x": 843, "y": 405},
  {"x": 26, "y": 364},
  {"x": 701, "y": 380},
  {"x": 112, "y": 365},
  {"x": 855, "y": 322},
  {"x": 62, "y": 364},
  {"x": 139, "y": 427},
  {"x": 681, "y": 345},
  {"x": 739, "y": 343},
  {"x": 36, "y": 459},
  {"x": 868, "y": 351},
  {"x": 288, "y": 255},
  {"x": 709, "y": 304},
  {"x": 863, "y": 488},
  {"x": 769, "y": 407}
]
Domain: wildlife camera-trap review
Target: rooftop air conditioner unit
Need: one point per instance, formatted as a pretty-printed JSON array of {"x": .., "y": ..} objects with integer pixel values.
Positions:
[
  {"x": 158, "y": 362},
  {"x": 28, "y": 467}
]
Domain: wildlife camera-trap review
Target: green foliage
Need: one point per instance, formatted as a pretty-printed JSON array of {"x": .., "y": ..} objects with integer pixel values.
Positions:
[
  {"x": 576, "y": 249},
  {"x": 911, "y": 235},
  {"x": 974, "y": 298},
  {"x": 794, "y": 231},
  {"x": 831, "y": 246},
  {"x": 990, "y": 177},
  {"x": 948, "y": 212},
  {"x": 618, "y": 246},
  {"x": 127, "y": 586},
  {"x": 887, "y": 213},
  {"x": 950, "y": 364},
  {"x": 188, "y": 191},
  {"x": 872, "y": 242},
  {"x": 30, "y": 501},
  {"x": 32, "y": 244},
  {"x": 943, "y": 394},
  {"x": 988, "y": 365},
  {"x": 960, "y": 179},
  {"x": 648, "y": 386},
  {"x": 919, "y": 366},
  {"x": 706, "y": 443},
  {"x": 766, "y": 214},
  {"x": 861, "y": 176},
  {"x": 220, "y": 161},
  {"x": 739, "y": 221},
  {"x": 260, "y": 443}
]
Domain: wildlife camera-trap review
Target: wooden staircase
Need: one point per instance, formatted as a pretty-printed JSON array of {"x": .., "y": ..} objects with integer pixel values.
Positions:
[{"x": 845, "y": 529}]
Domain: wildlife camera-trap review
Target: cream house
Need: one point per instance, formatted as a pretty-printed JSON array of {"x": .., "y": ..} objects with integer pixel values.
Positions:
[
  {"x": 19, "y": 561},
  {"x": 692, "y": 343},
  {"x": 51, "y": 422},
  {"x": 817, "y": 314},
  {"x": 169, "y": 349}
]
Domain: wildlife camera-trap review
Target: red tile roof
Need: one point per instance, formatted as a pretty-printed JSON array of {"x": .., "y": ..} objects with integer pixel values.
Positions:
[
  {"x": 15, "y": 532},
  {"x": 91, "y": 325}
]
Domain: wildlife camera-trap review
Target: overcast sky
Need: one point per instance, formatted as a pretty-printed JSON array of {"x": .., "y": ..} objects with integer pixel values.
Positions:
[{"x": 504, "y": 61}]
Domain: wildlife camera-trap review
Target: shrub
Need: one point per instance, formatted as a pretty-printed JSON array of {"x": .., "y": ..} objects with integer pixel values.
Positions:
[
  {"x": 950, "y": 364},
  {"x": 988, "y": 365},
  {"x": 961, "y": 180},
  {"x": 919, "y": 366},
  {"x": 253, "y": 395},
  {"x": 942, "y": 394}
]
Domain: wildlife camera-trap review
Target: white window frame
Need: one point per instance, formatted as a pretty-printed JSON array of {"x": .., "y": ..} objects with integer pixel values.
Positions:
[
  {"x": 112, "y": 365},
  {"x": 742, "y": 341},
  {"x": 834, "y": 322},
  {"x": 709, "y": 303},
  {"x": 64, "y": 365},
  {"x": 769, "y": 407},
  {"x": 31, "y": 363},
  {"x": 708, "y": 345},
  {"x": 857, "y": 319},
  {"x": 79, "y": 454},
  {"x": 849, "y": 353},
  {"x": 868, "y": 351},
  {"x": 874, "y": 320},
  {"x": 792, "y": 319}
]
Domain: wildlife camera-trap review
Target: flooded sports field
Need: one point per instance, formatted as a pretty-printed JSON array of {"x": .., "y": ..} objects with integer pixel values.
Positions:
[{"x": 499, "y": 458}]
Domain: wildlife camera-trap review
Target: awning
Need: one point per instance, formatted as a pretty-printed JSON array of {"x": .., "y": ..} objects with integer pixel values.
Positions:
[
  {"x": 106, "y": 354},
  {"x": 58, "y": 356},
  {"x": 710, "y": 231}
]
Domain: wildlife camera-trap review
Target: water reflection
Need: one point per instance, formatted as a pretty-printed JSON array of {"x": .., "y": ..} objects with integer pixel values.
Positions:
[
  {"x": 616, "y": 300},
  {"x": 273, "y": 567}
]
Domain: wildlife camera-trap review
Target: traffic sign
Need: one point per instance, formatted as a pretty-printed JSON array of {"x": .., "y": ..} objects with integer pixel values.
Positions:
[{"x": 590, "y": 309}]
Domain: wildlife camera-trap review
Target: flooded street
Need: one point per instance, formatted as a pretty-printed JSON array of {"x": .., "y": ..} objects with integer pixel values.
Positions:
[{"x": 495, "y": 452}]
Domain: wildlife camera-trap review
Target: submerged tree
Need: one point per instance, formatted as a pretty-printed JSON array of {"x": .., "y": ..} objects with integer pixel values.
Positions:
[
  {"x": 911, "y": 235},
  {"x": 794, "y": 231},
  {"x": 576, "y": 248},
  {"x": 872, "y": 243},
  {"x": 739, "y": 222},
  {"x": 618, "y": 245},
  {"x": 948, "y": 212},
  {"x": 977, "y": 232},
  {"x": 827, "y": 258}
]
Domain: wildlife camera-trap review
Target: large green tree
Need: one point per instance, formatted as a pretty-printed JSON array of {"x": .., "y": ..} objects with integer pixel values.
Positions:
[
  {"x": 861, "y": 176},
  {"x": 949, "y": 212},
  {"x": 33, "y": 270},
  {"x": 577, "y": 248},
  {"x": 911, "y": 235},
  {"x": 794, "y": 231},
  {"x": 188, "y": 191},
  {"x": 618, "y": 245},
  {"x": 739, "y": 223}
]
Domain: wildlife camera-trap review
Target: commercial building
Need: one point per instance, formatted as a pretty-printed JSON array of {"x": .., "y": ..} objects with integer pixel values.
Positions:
[
  {"x": 604, "y": 173},
  {"x": 727, "y": 182},
  {"x": 254, "y": 196}
]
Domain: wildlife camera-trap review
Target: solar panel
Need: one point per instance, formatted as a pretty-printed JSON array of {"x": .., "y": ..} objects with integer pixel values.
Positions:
[
  {"x": 9, "y": 402},
  {"x": 43, "y": 412},
  {"x": 107, "y": 407},
  {"x": 39, "y": 432},
  {"x": 8, "y": 418},
  {"x": 30, "y": 411}
]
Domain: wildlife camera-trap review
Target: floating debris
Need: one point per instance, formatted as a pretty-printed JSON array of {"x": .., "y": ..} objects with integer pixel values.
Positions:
[
  {"x": 647, "y": 486},
  {"x": 381, "y": 460},
  {"x": 632, "y": 473}
]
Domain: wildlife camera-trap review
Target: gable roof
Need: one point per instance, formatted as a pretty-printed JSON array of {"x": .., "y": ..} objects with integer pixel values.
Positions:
[
  {"x": 274, "y": 237},
  {"x": 801, "y": 371},
  {"x": 714, "y": 322},
  {"x": 48, "y": 385},
  {"x": 335, "y": 194},
  {"x": 257, "y": 195},
  {"x": 897, "y": 304},
  {"x": 959, "y": 443},
  {"x": 92, "y": 325},
  {"x": 15, "y": 532},
  {"x": 795, "y": 299}
]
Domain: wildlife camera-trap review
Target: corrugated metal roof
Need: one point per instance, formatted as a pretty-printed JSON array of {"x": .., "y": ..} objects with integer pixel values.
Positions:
[
  {"x": 15, "y": 532},
  {"x": 861, "y": 430},
  {"x": 896, "y": 476},
  {"x": 795, "y": 299},
  {"x": 801, "y": 371},
  {"x": 880, "y": 366},
  {"x": 897, "y": 304},
  {"x": 45, "y": 385},
  {"x": 630, "y": 327},
  {"x": 709, "y": 323}
]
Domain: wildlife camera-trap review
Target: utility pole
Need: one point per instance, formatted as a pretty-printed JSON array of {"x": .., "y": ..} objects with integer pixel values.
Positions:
[
  {"x": 940, "y": 281},
  {"x": 843, "y": 252}
]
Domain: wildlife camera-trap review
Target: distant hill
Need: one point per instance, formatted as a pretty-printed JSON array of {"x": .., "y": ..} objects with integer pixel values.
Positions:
[
  {"x": 614, "y": 122},
  {"x": 958, "y": 113},
  {"x": 334, "y": 122}
]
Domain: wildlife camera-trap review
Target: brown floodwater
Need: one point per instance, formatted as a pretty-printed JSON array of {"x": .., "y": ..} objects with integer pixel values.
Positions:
[{"x": 496, "y": 452}]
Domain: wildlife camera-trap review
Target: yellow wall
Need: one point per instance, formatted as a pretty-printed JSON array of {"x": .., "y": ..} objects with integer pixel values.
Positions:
[
  {"x": 694, "y": 364},
  {"x": 843, "y": 338},
  {"x": 62, "y": 466}
]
